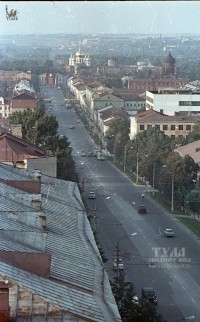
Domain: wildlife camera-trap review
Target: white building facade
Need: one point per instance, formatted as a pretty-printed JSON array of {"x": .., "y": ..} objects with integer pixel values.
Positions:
[{"x": 171, "y": 101}]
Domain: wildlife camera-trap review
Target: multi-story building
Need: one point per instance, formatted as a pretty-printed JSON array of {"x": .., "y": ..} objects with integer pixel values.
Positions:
[
  {"x": 168, "y": 76},
  {"x": 17, "y": 152},
  {"x": 52, "y": 79},
  {"x": 169, "y": 101},
  {"x": 23, "y": 101},
  {"x": 4, "y": 109},
  {"x": 51, "y": 268},
  {"x": 174, "y": 126}
]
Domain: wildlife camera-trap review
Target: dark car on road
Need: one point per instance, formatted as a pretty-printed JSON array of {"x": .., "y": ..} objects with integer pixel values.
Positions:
[
  {"x": 142, "y": 209},
  {"x": 149, "y": 295}
]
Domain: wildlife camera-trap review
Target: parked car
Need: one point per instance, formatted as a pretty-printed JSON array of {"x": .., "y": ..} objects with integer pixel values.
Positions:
[
  {"x": 149, "y": 295},
  {"x": 92, "y": 195},
  {"x": 72, "y": 127},
  {"x": 118, "y": 264},
  {"x": 168, "y": 232},
  {"x": 83, "y": 154},
  {"x": 90, "y": 154},
  {"x": 142, "y": 209}
]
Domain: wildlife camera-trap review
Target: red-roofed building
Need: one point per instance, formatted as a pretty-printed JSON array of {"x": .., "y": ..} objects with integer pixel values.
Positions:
[
  {"x": 22, "y": 154},
  {"x": 173, "y": 126},
  {"x": 21, "y": 102}
]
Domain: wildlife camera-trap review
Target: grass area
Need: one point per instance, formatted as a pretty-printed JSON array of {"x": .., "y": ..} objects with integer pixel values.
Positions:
[
  {"x": 192, "y": 224},
  {"x": 159, "y": 198},
  {"x": 185, "y": 218}
]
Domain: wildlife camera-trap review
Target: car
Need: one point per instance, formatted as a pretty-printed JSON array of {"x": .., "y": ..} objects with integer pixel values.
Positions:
[
  {"x": 168, "y": 232},
  {"x": 142, "y": 209},
  {"x": 72, "y": 127},
  {"x": 118, "y": 264},
  {"x": 135, "y": 300},
  {"x": 148, "y": 294},
  {"x": 90, "y": 154},
  {"x": 78, "y": 121},
  {"x": 83, "y": 154},
  {"x": 92, "y": 195}
]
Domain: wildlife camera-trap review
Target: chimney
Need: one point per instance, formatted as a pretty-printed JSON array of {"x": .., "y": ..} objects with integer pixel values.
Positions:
[
  {"x": 37, "y": 174},
  {"x": 4, "y": 300}
]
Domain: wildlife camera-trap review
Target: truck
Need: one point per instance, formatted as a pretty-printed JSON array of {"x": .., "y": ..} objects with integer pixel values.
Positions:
[{"x": 100, "y": 156}]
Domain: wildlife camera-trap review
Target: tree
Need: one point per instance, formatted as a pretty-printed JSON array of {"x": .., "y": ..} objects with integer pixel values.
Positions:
[
  {"x": 195, "y": 133},
  {"x": 41, "y": 129},
  {"x": 192, "y": 201},
  {"x": 184, "y": 171},
  {"x": 130, "y": 310}
]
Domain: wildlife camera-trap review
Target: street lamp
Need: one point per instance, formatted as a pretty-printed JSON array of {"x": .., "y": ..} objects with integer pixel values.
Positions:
[
  {"x": 115, "y": 148},
  {"x": 172, "y": 198},
  {"x": 187, "y": 318},
  {"x": 137, "y": 168},
  {"x": 125, "y": 155}
]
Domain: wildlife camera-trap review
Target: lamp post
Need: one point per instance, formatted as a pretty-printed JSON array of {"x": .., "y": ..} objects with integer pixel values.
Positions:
[
  {"x": 137, "y": 168},
  {"x": 172, "y": 197},
  {"x": 115, "y": 148},
  {"x": 172, "y": 203},
  {"x": 153, "y": 176},
  {"x": 125, "y": 156}
]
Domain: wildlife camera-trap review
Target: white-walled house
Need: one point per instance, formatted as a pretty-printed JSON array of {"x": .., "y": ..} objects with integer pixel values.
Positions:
[{"x": 170, "y": 101}]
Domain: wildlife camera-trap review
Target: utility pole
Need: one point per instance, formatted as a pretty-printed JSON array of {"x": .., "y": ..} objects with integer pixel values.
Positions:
[
  {"x": 172, "y": 205},
  {"x": 137, "y": 169},
  {"x": 118, "y": 256},
  {"x": 94, "y": 218},
  {"x": 125, "y": 157},
  {"x": 153, "y": 176}
]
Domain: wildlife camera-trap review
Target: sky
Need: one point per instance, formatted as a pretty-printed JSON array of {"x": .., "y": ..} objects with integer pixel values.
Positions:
[{"x": 97, "y": 17}]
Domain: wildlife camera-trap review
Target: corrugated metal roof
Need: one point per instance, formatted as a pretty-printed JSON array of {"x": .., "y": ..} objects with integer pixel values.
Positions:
[{"x": 78, "y": 283}]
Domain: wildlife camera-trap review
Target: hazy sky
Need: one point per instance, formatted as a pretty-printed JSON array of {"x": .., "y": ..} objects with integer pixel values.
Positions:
[{"x": 90, "y": 17}]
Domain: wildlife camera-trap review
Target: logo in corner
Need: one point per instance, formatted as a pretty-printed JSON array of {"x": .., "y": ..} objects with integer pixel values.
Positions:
[{"x": 12, "y": 15}]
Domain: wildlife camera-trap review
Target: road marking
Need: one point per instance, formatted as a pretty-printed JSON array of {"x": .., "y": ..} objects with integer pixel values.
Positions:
[{"x": 193, "y": 300}]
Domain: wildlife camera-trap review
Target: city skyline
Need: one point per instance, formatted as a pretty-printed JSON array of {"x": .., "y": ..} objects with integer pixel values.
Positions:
[{"x": 111, "y": 17}]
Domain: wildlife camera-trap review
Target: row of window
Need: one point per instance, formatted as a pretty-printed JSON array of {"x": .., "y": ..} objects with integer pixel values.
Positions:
[
  {"x": 166, "y": 127},
  {"x": 136, "y": 104},
  {"x": 189, "y": 103}
]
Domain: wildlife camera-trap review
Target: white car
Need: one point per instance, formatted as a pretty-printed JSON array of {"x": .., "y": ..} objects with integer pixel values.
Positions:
[
  {"x": 168, "y": 232},
  {"x": 92, "y": 195},
  {"x": 118, "y": 264}
]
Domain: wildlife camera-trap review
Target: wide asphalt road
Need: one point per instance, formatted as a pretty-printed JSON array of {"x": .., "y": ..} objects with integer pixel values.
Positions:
[{"x": 170, "y": 265}]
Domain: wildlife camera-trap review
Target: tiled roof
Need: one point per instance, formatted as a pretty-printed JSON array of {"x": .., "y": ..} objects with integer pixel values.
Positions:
[
  {"x": 21, "y": 149},
  {"x": 151, "y": 116},
  {"x": 111, "y": 112},
  {"x": 191, "y": 149},
  {"x": 78, "y": 284}
]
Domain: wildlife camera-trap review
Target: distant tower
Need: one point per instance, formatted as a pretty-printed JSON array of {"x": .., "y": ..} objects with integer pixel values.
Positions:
[
  {"x": 169, "y": 67},
  {"x": 112, "y": 62}
]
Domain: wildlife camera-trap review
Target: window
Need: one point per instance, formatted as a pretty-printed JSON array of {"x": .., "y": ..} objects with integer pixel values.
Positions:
[
  {"x": 149, "y": 99},
  {"x": 157, "y": 126},
  {"x": 172, "y": 127},
  {"x": 165, "y": 127},
  {"x": 188, "y": 127},
  {"x": 149, "y": 126},
  {"x": 180, "y": 127},
  {"x": 141, "y": 127}
]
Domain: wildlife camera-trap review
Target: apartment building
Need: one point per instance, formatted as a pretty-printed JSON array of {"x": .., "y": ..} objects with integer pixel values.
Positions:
[
  {"x": 169, "y": 101},
  {"x": 174, "y": 126}
]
